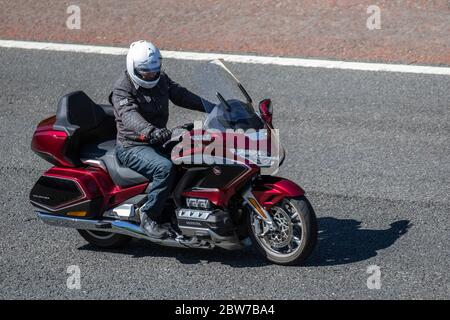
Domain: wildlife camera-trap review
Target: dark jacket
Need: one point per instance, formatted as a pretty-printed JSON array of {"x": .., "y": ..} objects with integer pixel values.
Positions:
[{"x": 139, "y": 111}]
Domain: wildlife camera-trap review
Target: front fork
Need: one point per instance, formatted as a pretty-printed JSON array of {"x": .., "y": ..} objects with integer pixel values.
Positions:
[
  {"x": 263, "y": 222},
  {"x": 264, "y": 193}
]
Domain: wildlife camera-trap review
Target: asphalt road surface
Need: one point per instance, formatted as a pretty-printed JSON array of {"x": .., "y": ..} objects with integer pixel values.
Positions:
[{"x": 371, "y": 149}]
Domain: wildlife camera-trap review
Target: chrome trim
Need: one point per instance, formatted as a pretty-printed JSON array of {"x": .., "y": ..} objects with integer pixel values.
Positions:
[
  {"x": 222, "y": 161},
  {"x": 196, "y": 214},
  {"x": 117, "y": 226},
  {"x": 124, "y": 211},
  {"x": 67, "y": 203},
  {"x": 96, "y": 163},
  {"x": 198, "y": 203},
  {"x": 202, "y": 190},
  {"x": 133, "y": 230},
  {"x": 127, "y": 209},
  {"x": 246, "y": 196},
  {"x": 41, "y": 206}
]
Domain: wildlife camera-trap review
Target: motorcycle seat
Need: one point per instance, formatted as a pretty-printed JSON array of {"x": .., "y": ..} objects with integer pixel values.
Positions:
[{"x": 105, "y": 152}]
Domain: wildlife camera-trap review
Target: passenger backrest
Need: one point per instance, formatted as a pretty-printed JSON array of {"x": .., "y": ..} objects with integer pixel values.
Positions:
[
  {"x": 77, "y": 110},
  {"x": 84, "y": 121}
]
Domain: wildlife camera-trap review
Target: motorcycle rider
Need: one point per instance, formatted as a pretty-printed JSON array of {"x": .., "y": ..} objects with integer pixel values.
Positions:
[{"x": 141, "y": 98}]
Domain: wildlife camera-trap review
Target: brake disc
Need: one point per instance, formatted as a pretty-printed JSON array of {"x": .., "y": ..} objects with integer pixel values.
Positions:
[{"x": 283, "y": 234}]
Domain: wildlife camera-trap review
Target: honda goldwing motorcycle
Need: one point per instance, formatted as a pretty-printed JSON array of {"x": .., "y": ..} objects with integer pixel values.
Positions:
[{"x": 229, "y": 204}]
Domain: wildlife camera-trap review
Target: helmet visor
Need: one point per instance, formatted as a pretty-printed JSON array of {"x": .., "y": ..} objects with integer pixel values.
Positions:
[{"x": 148, "y": 75}]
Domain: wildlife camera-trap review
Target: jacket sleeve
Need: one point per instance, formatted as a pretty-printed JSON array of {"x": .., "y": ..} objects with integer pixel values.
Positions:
[
  {"x": 127, "y": 110},
  {"x": 183, "y": 97}
]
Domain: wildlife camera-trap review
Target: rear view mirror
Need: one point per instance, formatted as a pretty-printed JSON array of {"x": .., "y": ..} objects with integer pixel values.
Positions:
[{"x": 266, "y": 110}]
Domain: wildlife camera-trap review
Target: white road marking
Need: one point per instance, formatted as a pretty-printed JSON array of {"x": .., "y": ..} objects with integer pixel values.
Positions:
[{"x": 199, "y": 56}]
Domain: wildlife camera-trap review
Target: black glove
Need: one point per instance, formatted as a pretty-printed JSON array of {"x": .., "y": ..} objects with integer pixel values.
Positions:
[
  {"x": 179, "y": 130},
  {"x": 187, "y": 126},
  {"x": 159, "y": 136}
]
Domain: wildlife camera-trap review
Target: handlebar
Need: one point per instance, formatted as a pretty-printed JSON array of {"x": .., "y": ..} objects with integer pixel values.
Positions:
[{"x": 174, "y": 138}]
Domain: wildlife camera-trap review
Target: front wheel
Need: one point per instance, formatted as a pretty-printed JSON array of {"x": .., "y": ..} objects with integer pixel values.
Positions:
[
  {"x": 107, "y": 240},
  {"x": 295, "y": 234}
]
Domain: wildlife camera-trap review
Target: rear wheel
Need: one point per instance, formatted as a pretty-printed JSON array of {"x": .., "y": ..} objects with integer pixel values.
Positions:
[
  {"x": 103, "y": 239},
  {"x": 295, "y": 235}
]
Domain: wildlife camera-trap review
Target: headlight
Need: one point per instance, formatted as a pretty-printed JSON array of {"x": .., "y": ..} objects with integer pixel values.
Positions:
[{"x": 257, "y": 157}]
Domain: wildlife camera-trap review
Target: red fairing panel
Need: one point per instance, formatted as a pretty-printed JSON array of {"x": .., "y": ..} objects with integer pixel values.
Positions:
[
  {"x": 271, "y": 190},
  {"x": 220, "y": 197},
  {"x": 95, "y": 182}
]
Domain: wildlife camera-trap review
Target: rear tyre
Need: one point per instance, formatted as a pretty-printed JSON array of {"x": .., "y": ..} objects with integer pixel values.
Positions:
[
  {"x": 107, "y": 240},
  {"x": 295, "y": 237}
]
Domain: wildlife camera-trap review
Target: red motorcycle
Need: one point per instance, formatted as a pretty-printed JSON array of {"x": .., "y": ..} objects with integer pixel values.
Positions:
[{"x": 228, "y": 203}]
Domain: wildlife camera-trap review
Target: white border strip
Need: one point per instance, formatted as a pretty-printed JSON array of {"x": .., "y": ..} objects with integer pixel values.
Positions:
[{"x": 184, "y": 55}]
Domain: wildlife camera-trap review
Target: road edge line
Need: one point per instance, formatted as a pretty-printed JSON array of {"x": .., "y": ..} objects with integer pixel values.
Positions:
[{"x": 248, "y": 59}]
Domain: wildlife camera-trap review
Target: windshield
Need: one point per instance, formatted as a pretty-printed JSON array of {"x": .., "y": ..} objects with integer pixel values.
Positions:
[{"x": 228, "y": 104}]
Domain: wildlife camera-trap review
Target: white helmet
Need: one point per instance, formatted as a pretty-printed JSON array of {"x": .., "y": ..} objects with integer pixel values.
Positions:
[{"x": 144, "y": 64}]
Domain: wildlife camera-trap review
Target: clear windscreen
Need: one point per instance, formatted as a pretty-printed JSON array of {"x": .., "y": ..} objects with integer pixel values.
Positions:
[{"x": 227, "y": 105}]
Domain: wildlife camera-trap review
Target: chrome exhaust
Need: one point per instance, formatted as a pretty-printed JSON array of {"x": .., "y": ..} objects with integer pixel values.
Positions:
[
  {"x": 114, "y": 226},
  {"x": 135, "y": 231}
]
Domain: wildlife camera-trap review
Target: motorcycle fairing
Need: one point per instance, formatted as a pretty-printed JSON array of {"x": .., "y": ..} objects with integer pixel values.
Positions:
[{"x": 269, "y": 190}]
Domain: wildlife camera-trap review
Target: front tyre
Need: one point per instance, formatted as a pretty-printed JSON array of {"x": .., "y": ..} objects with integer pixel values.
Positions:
[
  {"x": 107, "y": 240},
  {"x": 295, "y": 236}
]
